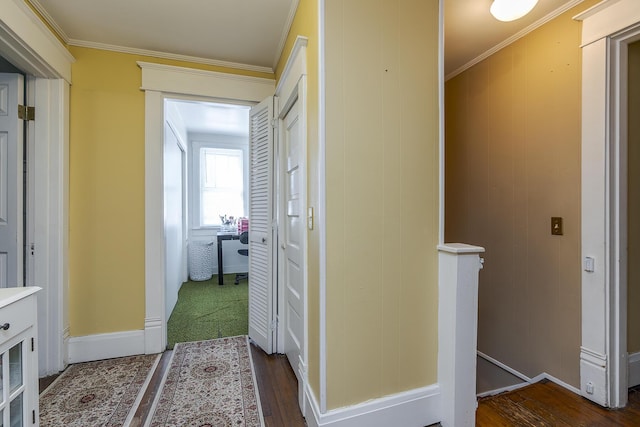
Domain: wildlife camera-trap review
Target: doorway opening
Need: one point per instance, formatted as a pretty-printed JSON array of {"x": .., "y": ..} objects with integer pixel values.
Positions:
[{"x": 205, "y": 178}]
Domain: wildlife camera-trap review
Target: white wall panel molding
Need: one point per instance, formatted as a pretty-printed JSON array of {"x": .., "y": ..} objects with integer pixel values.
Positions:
[{"x": 418, "y": 407}]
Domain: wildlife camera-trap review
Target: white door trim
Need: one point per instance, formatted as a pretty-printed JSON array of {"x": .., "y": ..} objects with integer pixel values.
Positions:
[
  {"x": 292, "y": 88},
  {"x": 27, "y": 43},
  {"x": 160, "y": 82},
  {"x": 606, "y": 29}
]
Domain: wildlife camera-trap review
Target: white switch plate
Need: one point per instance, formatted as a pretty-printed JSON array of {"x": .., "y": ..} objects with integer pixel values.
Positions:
[
  {"x": 310, "y": 218},
  {"x": 589, "y": 264}
]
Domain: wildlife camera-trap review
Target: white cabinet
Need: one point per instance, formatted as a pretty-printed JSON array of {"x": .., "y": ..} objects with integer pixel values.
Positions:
[{"x": 18, "y": 357}]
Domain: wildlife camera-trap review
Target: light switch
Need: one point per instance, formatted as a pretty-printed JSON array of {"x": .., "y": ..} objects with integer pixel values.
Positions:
[
  {"x": 310, "y": 218},
  {"x": 589, "y": 264},
  {"x": 556, "y": 226}
]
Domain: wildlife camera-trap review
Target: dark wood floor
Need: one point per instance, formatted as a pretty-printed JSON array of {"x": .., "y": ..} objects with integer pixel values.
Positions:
[
  {"x": 277, "y": 385},
  {"x": 541, "y": 404},
  {"x": 547, "y": 404}
]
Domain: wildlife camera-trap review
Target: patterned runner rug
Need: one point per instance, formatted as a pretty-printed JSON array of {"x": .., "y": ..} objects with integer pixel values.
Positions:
[
  {"x": 209, "y": 383},
  {"x": 102, "y": 393}
]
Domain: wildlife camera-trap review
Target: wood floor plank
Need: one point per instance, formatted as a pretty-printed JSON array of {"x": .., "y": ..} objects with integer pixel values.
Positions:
[
  {"x": 278, "y": 388},
  {"x": 548, "y": 404}
]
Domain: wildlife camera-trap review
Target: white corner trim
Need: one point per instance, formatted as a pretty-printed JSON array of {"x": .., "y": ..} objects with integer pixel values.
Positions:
[
  {"x": 517, "y": 36},
  {"x": 441, "y": 123},
  {"x": 634, "y": 369},
  {"x": 322, "y": 208},
  {"x": 105, "y": 346},
  {"x": 418, "y": 407}
]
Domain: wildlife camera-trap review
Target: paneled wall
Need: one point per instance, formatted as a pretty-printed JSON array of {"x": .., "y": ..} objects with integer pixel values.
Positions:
[
  {"x": 512, "y": 162},
  {"x": 382, "y": 197}
]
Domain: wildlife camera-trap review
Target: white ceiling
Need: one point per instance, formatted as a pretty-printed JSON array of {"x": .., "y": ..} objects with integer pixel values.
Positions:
[
  {"x": 206, "y": 117},
  {"x": 250, "y": 34},
  {"x": 241, "y": 32}
]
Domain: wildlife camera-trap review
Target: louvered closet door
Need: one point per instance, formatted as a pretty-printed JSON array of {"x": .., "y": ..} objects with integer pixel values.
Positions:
[{"x": 261, "y": 294}]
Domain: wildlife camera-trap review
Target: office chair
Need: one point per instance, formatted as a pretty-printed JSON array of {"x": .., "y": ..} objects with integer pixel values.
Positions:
[{"x": 244, "y": 239}]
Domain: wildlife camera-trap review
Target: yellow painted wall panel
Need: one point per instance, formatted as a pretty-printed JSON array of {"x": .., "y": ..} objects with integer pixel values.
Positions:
[
  {"x": 382, "y": 197},
  {"x": 106, "y": 195}
]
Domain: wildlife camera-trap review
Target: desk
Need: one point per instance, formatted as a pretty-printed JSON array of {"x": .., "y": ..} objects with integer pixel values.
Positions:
[{"x": 224, "y": 235}]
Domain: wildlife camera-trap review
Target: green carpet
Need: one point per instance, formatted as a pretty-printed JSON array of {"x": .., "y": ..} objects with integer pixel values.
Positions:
[{"x": 205, "y": 311}]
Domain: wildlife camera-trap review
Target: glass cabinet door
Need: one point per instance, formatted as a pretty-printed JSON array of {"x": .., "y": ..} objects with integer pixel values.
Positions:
[{"x": 12, "y": 386}]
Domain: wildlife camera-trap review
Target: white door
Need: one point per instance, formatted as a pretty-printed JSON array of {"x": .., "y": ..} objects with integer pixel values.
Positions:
[
  {"x": 292, "y": 237},
  {"x": 174, "y": 163},
  {"x": 262, "y": 326},
  {"x": 11, "y": 180}
]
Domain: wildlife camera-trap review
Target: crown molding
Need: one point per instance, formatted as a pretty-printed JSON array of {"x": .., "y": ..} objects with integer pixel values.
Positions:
[
  {"x": 285, "y": 32},
  {"x": 49, "y": 20},
  {"x": 173, "y": 56},
  {"x": 517, "y": 36}
]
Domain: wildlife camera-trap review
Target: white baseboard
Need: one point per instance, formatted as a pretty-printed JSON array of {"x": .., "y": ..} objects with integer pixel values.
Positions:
[
  {"x": 634, "y": 369},
  {"x": 106, "y": 346},
  {"x": 526, "y": 379},
  {"x": 419, "y": 407}
]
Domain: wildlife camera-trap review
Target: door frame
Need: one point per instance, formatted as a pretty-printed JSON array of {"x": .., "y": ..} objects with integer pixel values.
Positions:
[
  {"x": 27, "y": 43},
  {"x": 607, "y": 29},
  {"x": 160, "y": 82},
  {"x": 292, "y": 88}
]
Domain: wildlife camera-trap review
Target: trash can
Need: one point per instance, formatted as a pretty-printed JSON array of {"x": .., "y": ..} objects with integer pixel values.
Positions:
[{"x": 200, "y": 260}]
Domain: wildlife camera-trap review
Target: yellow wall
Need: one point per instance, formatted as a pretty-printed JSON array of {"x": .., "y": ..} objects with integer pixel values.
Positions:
[
  {"x": 633, "y": 302},
  {"x": 106, "y": 195},
  {"x": 513, "y": 137},
  {"x": 382, "y": 197},
  {"x": 305, "y": 24}
]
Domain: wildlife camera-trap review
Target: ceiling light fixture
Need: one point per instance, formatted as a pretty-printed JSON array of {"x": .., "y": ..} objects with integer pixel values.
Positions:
[{"x": 510, "y": 10}]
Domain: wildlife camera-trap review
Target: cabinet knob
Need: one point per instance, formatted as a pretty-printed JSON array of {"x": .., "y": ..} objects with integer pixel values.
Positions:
[{"x": 5, "y": 326}]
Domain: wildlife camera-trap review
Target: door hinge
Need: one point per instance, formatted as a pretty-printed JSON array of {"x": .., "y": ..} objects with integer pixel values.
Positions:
[
  {"x": 32, "y": 248},
  {"x": 274, "y": 123},
  {"x": 33, "y": 344},
  {"x": 33, "y": 416},
  {"x": 274, "y": 325},
  {"x": 26, "y": 113}
]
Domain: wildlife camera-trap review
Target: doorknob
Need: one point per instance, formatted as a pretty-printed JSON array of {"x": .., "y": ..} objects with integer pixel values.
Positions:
[
  {"x": 283, "y": 246},
  {"x": 264, "y": 240}
]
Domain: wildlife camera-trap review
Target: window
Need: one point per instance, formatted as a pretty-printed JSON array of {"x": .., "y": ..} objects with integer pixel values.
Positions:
[
  {"x": 219, "y": 174},
  {"x": 221, "y": 184}
]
